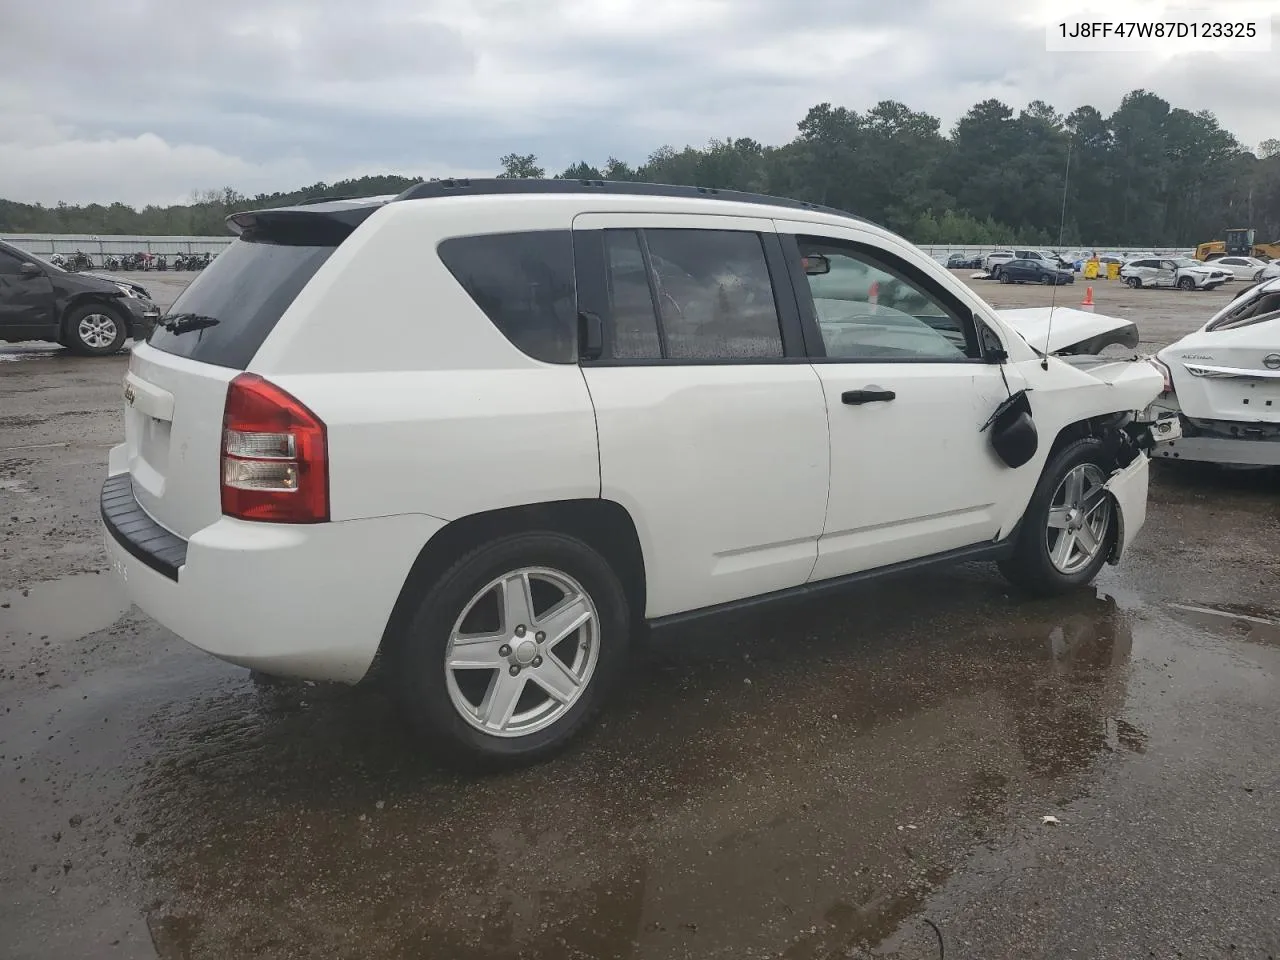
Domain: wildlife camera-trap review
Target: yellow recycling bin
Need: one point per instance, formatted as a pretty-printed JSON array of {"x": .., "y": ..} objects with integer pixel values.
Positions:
[
  {"x": 1091, "y": 270},
  {"x": 1113, "y": 271}
]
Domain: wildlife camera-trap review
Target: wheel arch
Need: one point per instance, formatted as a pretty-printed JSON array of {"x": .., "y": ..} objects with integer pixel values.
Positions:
[
  {"x": 604, "y": 525},
  {"x": 90, "y": 296},
  {"x": 1107, "y": 427}
]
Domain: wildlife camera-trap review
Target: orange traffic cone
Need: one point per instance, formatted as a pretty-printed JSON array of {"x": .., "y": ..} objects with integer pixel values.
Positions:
[
  {"x": 873, "y": 295},
  {"x": 1087, "y": 302}
]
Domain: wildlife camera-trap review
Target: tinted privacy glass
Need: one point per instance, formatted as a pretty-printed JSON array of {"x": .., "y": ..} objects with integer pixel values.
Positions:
[
  {"x": 634, "y": 321},
  {"x": 227, "y": 311},
  {"x": 868, "y": 310},
  {"x": 714, "y": 295},
  {"x": 524, "y": 284}
]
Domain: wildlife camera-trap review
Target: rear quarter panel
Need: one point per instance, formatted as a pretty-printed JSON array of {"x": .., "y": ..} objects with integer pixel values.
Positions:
[{"x": 429, "y": 407}]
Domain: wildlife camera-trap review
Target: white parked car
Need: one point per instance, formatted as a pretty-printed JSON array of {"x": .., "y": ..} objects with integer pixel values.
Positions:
[
  {"x": 1180, "y": 272},
  {"x": 1241, "y": 268},
  {"x": 1223, "y": 383},
  {"x": 993, "y": 260},
  {"x": 487, "y": 430},
  {"x": 1270, "y": 271}
]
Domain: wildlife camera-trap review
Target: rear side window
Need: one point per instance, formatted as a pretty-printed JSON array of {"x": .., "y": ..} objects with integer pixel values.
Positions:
[
  {"x": 524, "y": 283},
  {"x": 226, "y": 313},
  {"x": 714, "y": 293}
]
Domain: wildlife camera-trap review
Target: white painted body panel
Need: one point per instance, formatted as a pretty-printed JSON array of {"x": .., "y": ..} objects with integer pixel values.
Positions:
[
  {"x": 912, "y": 476},
  {"x": 173, "y": 435},
  {"x": 1128, "y": 487},
  {"x": 740, "y": 479},
  {"x": 724, "y": 472},
  {"x": 450, "y": 443},
  {"x": 1062, "y": 326},
  {"x": 1223, "y": 375},
  {"x": 305, "y": 600},
  {"x": 1232, "y": 361}
]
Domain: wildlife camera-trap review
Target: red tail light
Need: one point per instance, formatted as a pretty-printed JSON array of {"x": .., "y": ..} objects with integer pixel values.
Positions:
[
  {"x": 1164, "y": 372},
  {"x": 275, "y": 461}
]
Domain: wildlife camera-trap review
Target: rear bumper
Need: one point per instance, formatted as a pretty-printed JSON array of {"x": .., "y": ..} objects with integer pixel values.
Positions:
[
  {"x": 307, "y": 601},
  {"x": 1244, "y": 452}
]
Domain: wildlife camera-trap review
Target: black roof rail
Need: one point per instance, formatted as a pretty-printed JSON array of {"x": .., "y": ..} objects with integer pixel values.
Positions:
[
  {"x": 311, "y": 200},
  {"x": 501, "y": 185}
]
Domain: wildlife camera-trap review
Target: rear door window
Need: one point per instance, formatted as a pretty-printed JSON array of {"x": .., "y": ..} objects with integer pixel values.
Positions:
[
  {"x": 715, "y": 295},
  {"x": 226, "y": 313},
  {"x": 524, "y": 283}
]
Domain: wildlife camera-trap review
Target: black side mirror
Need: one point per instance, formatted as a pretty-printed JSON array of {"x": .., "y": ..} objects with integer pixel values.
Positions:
[{"x": 29, "y": 269}]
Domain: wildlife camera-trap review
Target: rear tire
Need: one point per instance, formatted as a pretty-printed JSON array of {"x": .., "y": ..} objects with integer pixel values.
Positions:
[
  {"x": 1068, "y": 530},
  {"x": 501, "y": 712},
  {"x": 95, "y": 329}
]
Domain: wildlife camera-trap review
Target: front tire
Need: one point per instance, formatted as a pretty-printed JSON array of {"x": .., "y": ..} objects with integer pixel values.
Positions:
[
  {"x": 513, "y": 651},
  {"x": 95, "y": 330},
  {"x": 1133, "y": 282},
  {"x": 1186, "y": 283},
  {"x": 1070, "y": 525}
]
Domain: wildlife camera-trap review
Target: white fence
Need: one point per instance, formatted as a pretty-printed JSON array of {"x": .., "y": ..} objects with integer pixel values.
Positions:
[
  {"x": 98, "y": 248},
  {"x": 980, "y": 250}
]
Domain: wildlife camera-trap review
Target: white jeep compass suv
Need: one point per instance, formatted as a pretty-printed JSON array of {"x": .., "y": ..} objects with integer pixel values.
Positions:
[{"x": 486, "y": 431}]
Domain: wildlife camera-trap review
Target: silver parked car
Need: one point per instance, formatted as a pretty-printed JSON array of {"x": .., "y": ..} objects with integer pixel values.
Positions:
[{"x": 1181, "y": 272}]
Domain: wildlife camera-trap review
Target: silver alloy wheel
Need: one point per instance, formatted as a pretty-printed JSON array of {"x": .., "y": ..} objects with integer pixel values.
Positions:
[
  {"x": 1079, "y": 518},
  {"x": 97, "y": 330},
  {"x": 555, "y": 645}
]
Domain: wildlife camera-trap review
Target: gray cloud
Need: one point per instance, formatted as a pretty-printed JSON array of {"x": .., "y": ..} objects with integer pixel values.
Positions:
[{"x": 147, "y": 100}]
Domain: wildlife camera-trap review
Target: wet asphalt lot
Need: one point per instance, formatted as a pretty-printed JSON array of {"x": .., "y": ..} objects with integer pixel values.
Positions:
[{"x": 820, "y": 782}]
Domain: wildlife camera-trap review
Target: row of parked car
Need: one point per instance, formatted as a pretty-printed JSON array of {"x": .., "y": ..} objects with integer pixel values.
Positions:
[{"x": 1136, "y": 270}]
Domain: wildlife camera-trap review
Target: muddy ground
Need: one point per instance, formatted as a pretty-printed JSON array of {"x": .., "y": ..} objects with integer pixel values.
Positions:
[{"x": 819, "y": 783}]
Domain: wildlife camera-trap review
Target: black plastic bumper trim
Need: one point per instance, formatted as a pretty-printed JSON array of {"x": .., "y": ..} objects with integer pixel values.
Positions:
[{"x": 131, "y": 527}]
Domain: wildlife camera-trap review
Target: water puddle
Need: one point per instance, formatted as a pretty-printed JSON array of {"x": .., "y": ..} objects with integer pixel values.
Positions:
[
  {"x": 1250, "y": 623},
  {"x": 63, "y": 610},
  {"x": 39, "y": 352}
]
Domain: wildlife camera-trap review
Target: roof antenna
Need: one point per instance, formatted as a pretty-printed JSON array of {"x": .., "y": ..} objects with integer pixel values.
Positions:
[{"x": 1062, "y": 226}]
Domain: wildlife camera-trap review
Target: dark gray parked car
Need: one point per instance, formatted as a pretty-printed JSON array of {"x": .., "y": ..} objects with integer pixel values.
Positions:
[{"x": 89, "y": 314}]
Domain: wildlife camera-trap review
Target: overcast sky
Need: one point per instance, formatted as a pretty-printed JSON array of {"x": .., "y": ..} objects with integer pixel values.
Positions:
[{"x": 146, "y": 100}]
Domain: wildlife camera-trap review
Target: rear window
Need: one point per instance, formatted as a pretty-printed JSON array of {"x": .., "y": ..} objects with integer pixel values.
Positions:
[
  {"x": 524, "y": 283},
  {"x": 225, "y": 314}
]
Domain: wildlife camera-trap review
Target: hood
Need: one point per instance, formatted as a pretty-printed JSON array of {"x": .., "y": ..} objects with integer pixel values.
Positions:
[
  {"x": 1073, "y": 331},
  {"x": 117, "y": 282}
]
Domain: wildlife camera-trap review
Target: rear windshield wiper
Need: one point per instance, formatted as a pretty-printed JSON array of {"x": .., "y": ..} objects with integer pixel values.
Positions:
[{"x": 182, "y": 322}]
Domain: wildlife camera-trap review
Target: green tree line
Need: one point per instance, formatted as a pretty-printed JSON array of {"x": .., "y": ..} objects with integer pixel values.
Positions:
[{"x": 1148, "y": 174}]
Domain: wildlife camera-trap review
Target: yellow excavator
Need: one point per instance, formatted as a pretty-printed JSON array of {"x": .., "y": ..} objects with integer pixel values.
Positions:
[{"x": 1239, "y": 243}]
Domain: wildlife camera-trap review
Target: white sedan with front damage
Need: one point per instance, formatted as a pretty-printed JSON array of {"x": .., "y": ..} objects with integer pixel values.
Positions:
[{"x": 1222, "y": 383}]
